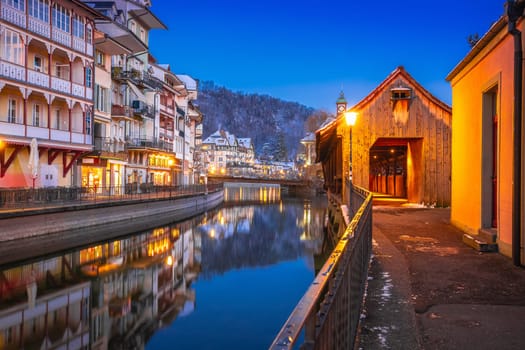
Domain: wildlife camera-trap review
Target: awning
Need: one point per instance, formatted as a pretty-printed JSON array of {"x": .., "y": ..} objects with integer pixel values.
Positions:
[
  {"x": 121, "y": 35},
  {"x": 110, "y": 46},
  {"x": 137, "y": 92},
  {"x": 147, "y": 17}
]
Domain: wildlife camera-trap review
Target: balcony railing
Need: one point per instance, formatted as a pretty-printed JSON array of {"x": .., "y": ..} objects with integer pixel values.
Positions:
[
  {"x": 119, "y": 110},
  {"x": 35, "y": 25},
  {"x": 13, "y": 15},
  {"x": 149, "y": 143},
  {"x": 137, "y": 77},
  {"x": 78, "y": 90},
  {"x": 38, "y": 78},
  {"x": 109, "y": 144},
  {"x": 18, "y": 72},
  {"x": 143, "y": 110},
  {"x": 61, "y": 85},
  {"x": 12, "y": 71},
  {"x": 39, "y": 27}
]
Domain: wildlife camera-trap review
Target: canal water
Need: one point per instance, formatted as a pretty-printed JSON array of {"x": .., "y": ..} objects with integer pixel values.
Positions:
[{"x": 224, "y": 280}]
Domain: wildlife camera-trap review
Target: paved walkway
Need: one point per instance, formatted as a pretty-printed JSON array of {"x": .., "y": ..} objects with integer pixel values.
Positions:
[{"x": 428, "y": 290}]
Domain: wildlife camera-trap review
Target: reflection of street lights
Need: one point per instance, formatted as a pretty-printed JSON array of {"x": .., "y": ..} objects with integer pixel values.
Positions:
[{"x": 350, "y": 118}]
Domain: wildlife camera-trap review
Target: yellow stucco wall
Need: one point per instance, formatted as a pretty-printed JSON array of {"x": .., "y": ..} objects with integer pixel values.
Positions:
[{"x": 494, "y": 65}]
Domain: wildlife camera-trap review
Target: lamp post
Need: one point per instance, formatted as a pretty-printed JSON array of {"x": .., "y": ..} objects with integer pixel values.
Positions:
[{"x": 350, "y": 118}]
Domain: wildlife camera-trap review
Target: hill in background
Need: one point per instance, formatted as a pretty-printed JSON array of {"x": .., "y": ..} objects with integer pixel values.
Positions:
[{"x": 275, "y": 126}]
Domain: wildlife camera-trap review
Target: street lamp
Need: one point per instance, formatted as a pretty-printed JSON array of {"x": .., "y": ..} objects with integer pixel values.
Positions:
[{"x": 350, "y": 118}]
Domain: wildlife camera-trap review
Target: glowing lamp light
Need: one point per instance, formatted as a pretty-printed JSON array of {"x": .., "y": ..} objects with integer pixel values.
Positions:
[
  {"x": 169, "y": 260},
  {"x": 350, "y": 118}
]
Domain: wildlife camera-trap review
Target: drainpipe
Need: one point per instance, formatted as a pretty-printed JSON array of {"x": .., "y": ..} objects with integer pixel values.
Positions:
[{"x": 514, "y": 12}]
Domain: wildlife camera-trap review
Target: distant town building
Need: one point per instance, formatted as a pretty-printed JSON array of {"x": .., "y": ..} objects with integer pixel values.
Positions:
[{"x": 228, "y": 155}]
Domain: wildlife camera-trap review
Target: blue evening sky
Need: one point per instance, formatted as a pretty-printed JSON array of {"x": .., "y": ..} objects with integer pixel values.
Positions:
[{"x": 306, "y": 51}]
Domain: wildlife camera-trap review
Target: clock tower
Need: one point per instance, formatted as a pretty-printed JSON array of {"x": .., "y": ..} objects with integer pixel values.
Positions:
[{"x": 340, "y": 104}]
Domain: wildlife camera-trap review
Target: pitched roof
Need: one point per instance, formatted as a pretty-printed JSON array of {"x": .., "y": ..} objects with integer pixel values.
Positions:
[
  {"x": 399, "y": 71},
  {"x": 326, "y": 135}
]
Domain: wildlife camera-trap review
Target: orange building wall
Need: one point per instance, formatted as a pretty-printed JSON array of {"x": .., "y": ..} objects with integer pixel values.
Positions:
[{"x": 467, "y": 92}]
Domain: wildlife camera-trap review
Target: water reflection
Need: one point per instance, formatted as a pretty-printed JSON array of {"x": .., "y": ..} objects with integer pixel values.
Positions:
[
  {"x": 118, "y": 294},
  {"x": 256, "y": 193}
]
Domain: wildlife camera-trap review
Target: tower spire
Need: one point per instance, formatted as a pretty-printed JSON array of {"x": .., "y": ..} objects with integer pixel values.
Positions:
[{"x": 341, "y": 103}]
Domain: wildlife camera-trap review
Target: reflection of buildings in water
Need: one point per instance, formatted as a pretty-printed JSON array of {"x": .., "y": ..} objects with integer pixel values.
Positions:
[
  {"x": 278, "y": 232},
  {"x": 312, "y": 224},
  {"x": 43, "y": 303},
  {"x": 129, "y": 286},
  {"x": 248, "y": 192},
  {"x": 228, "y": 222}
]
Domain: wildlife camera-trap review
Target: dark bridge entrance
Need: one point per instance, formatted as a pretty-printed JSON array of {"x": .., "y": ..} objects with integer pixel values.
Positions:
[{"x": 395, "y": 167}]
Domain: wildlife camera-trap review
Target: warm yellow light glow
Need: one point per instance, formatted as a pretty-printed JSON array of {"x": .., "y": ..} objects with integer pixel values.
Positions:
[
  {"x": 1, "y": 144},
  {"x": 170, "y": 162},
  {"x": 350, "y": 118},
  {"x": 223, "y": 170},
  {"x": 169, "y": 260}
]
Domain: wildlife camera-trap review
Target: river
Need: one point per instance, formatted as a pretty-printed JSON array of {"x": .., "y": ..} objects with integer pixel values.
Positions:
[{"x": 224, "y": 280}]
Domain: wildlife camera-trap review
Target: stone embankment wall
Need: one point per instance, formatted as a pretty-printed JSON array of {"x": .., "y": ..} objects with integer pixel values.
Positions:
[{"x": 112, "y": 220}]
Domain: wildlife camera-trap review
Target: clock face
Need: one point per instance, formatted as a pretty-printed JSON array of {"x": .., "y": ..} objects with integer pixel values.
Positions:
[{"x": 341, "y": 108}]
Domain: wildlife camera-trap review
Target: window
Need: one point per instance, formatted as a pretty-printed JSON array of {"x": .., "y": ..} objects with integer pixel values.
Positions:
[
  {"x": 89, "y": 77},
  {"x": 60, "y": 122},
  {"x": 61, "y": 18},
  {"x": 36, "y": 115},
  {"x": 88, "y": 122},
  {"x": 101, "y": 98},
  {"x": 56, "y": 120},
  {"x": 77, "y": 120},
  {"x": 11, "y": 110},
  {"x": 11, "y": 46},
  {"x": 99, "y": 58},
  {"x": 17, "y": 4},
  {"x": 39, "y": 9},
  {"x": 62, "y": 70},
  {"x": 400, "y": 93},
  {"x": 78, "y": 27},
  {"x": 89, "y": 35},
  {"x": 37, "y": 63}
]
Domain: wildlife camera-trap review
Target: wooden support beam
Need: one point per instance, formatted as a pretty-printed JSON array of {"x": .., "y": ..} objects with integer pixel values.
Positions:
[
  {"x": 4, "y": 164},
  {"x": 52, "y": 154},
  {"x": 67, "y": 166}
]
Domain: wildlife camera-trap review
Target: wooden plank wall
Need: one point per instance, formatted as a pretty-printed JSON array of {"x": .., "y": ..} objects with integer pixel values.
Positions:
[{"x": 426, "y": 120}]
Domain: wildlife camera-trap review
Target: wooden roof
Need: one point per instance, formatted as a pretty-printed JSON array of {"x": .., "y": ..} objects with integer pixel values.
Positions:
[
  {"x": 400, "y": 71},
  {"x": 326, "y": 136}
]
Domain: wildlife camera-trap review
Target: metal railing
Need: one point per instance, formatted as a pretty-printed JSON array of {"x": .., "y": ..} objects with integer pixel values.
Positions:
[
  {"x": 63, "y": 196},
  {"x": 327, "y": 316}
]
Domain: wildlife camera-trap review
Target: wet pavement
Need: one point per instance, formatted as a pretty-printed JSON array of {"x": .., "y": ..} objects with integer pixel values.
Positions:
[{"x": 428, "y": 290}]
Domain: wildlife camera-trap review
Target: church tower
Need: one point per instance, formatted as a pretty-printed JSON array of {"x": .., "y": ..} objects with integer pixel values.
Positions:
[{"x": 341, "y": 104}]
